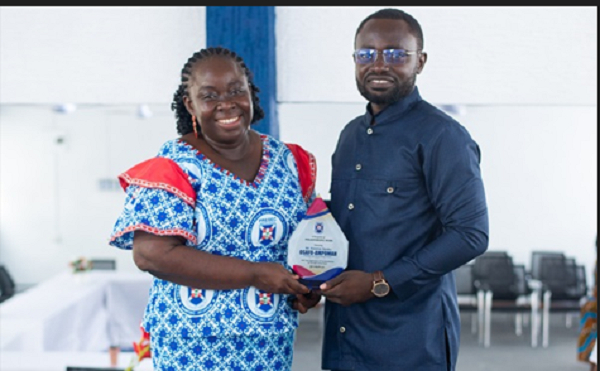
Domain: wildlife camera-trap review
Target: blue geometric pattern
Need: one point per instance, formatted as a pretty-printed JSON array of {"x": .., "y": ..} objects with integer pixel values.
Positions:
[
  {"x": 160, "y": 211},
  {"x": 232, "y": 217},
  {"x": 235, "y": 353}
]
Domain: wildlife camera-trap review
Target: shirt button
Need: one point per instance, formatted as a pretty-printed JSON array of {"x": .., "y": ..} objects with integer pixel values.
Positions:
[
  {"x": 342, "y": 329},
  {"x": 358, "y": 167},
  {"x": 369, "y": 131},
  {"x": 350, "y": 206},
  {"x": 390, "y": 190}
]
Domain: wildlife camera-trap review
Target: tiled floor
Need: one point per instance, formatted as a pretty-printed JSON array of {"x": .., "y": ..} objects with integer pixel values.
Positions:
[{"x": 508, "y": 352}]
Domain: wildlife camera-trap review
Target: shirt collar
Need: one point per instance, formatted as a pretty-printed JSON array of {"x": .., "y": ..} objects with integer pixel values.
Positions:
[{"x": 395, "y": 109}]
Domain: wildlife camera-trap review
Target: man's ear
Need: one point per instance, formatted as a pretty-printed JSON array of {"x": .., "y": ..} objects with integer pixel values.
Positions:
[{"x": 422, "y": 61}]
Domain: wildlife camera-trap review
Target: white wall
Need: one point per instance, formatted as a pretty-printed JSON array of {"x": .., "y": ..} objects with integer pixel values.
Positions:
[
  {"x": 87, "y": 54},
  {"x": 476, "y": 55},
  {"x": 525, "y": 78}
]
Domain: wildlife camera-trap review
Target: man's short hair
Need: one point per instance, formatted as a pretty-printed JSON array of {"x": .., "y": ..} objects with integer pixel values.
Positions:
[{"x": 392, "y": 13}]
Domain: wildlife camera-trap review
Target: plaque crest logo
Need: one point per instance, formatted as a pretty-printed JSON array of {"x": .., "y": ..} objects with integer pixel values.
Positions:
[{"x": 319, "y": 227}]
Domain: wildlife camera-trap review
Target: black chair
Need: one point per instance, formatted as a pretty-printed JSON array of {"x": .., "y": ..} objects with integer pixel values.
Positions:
[
  {"x": 536, "y": 257},
  {"x": 7, "y": 285},
  {"x": 506, "y": 289},
  {"x": 579, "y": 289},
  {"x": 103, "y": 264},
  {"x": 470, "y": 300},
  {"x": 562, "y": 290}
]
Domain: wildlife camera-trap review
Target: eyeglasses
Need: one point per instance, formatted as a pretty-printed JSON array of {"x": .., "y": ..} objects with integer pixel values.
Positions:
[{"x": 390, "y": 56}]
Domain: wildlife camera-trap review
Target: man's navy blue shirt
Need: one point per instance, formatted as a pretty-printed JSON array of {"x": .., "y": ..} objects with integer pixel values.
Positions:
[{"x": 406, "y": 189}]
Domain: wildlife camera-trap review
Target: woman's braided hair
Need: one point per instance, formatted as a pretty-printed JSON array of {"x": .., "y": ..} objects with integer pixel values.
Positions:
[{"x": 184, "y": 119}]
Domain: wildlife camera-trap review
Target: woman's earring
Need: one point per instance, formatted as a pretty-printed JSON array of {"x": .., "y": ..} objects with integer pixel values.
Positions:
[{"x": 194, "y": 125}]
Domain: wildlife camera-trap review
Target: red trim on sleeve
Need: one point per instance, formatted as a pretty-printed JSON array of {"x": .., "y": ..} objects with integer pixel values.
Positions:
[
  {"x": 159, "y": 232},
  {"x": 307, "y": 169},
  {"x": 162, "y": 173}
]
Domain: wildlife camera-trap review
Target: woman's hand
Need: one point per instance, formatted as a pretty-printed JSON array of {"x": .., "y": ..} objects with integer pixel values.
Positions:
[
  {"x": 274, "y": 278},
  {"x": 302, "y": 303}
]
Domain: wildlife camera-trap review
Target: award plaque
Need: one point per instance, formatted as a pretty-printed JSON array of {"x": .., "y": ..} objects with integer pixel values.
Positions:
[{"x": 318, "y": 249}]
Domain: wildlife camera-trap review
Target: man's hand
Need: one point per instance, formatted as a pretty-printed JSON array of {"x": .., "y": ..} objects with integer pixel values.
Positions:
[
  {"x": 302, "y": 303},
  {"x": 348, "y": 288}
]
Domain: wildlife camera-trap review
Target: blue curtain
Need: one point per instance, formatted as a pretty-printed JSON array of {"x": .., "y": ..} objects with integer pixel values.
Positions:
[{"x": 250, "y": 32}]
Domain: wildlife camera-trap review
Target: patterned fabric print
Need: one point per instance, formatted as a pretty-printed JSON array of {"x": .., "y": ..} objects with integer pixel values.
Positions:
[
  {"x": 235, "y": 353},
  {"x": 588, "y": 324},
  {"x": 248, "y": 220},
  {"x": 152, "y": 210}
]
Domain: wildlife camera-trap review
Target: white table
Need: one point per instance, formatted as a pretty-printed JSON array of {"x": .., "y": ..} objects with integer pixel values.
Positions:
[{"x": 83, "y": 312}]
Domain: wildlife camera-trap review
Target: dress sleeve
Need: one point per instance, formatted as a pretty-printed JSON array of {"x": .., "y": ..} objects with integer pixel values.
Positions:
[
  {"x": 159, "y": 199},
  {"x": 307, "y": 171}
]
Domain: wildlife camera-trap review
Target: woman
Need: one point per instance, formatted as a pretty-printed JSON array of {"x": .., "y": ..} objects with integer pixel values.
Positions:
[
  {"x": 210, "y": 217},
  {"x": 588, "y": 333},
  {"x": 587, "y": 341}
]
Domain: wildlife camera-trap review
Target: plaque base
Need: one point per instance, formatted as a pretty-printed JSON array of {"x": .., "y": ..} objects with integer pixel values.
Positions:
[{"x": 313, "y": 282}]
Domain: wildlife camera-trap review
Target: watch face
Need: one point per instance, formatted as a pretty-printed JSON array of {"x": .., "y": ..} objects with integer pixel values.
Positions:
[{"x": 381, "y": 289}]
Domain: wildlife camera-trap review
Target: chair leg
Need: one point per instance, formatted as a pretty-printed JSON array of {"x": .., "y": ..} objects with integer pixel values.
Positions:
[
  {"x": 519, "y": 324},
  {"x": 488, "y": 317},
  {"x": 534, "y": 319},
  {"x": 568, "y": 320},
  {"x": 481, "y": 315},
  {"x": 546, "y": 319},
  {"x": 474, "y": 323}
]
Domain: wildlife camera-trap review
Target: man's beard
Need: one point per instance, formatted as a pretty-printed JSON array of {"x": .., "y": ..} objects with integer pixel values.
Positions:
[{"x": 399, "y": 91}]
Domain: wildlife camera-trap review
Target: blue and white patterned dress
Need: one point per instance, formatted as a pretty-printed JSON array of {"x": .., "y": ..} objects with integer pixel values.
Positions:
[{"x": 198, "y": 329}]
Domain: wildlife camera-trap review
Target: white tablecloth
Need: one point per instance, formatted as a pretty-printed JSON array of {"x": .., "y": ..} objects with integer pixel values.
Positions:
[{"x": 84, "y": 312}]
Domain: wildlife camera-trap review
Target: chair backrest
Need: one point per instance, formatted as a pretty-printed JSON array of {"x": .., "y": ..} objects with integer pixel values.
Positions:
[
  {"x": 579, "y": 287},
  {"x": 521, "y": 280},
  {"x": 536, "y": 257},
  {"x": 559, "y": 276},
  {"x": 464, "y": 280},
  {"x": 7, "y": 285},
  {"x": 103, "y": 264},
  {"x": 495, "y": 271}
]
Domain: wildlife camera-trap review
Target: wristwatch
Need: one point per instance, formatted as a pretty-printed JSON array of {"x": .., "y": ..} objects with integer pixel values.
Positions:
[{"x": 380, "y": 286}]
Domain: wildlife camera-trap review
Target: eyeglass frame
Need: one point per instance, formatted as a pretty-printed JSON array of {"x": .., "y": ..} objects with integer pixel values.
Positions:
[{"x": 382, "y": 52}]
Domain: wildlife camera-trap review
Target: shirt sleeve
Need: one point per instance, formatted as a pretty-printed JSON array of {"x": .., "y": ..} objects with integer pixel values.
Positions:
[
  {"x": 453, "y": 180},
  {"x": 159, "y": 200}
]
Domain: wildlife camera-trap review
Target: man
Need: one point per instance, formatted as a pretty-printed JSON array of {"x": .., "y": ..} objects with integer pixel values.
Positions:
[{"x": 407, "y": 192}]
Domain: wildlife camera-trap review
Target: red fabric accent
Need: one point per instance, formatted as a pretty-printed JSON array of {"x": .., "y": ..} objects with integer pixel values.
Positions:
[
  {"x": 307, "y": 169},
  {"x": 159, "y": 232},
  {"x": 316, "y": 207},
  {"x": 163, "y": 173}
]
